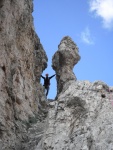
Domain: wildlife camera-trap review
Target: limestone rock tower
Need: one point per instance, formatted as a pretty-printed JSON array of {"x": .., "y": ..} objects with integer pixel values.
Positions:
[{"x": 63, "y": 62}]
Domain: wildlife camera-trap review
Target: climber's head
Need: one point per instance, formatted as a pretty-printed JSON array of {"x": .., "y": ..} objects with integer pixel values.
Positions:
[{"x": 46, "y": 75}]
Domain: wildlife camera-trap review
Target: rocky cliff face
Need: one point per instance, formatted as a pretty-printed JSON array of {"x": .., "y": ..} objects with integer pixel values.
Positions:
[
  {"x": 22, "y": 60},
  {"x": 81, "y": 118}
]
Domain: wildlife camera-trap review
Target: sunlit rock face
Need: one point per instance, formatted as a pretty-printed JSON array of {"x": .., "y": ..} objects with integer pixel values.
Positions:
[
  {"x": 22, "y": 60},
  {"x": 81, "y": 118},
  {"x": 63, "y": 62}
]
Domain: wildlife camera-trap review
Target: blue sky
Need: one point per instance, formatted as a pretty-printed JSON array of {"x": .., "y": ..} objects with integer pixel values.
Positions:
[{"x": 90, "y": 25}]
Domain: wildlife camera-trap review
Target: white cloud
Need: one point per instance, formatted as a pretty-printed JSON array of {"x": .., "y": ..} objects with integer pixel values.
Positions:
[
  {"x": 86, "y": 36},
  {"x": 103, "y": 9}
]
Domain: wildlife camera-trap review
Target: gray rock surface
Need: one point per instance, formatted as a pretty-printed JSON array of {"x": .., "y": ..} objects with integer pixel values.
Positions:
[
  {"x": 63, "y": 62},
  {"x": 22, "y": 60},
  {"x": 81, "y": 118}
]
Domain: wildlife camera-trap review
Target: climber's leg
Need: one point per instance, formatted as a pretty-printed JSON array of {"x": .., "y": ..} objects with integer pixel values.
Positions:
[{"x": 47, "y": 90}]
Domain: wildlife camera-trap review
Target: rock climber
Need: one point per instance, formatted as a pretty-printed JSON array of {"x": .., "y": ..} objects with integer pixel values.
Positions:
[{"x": 47, "y": 82}]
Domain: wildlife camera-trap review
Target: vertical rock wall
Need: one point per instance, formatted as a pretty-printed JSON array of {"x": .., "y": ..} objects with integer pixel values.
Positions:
[{"x": 22, "y": 60}]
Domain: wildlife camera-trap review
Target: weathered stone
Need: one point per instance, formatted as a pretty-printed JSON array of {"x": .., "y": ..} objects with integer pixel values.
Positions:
[
  {"x": 63, "y": 62},
  {"x": 80, "y": 118},
  {"x": 22, "y": 60}
]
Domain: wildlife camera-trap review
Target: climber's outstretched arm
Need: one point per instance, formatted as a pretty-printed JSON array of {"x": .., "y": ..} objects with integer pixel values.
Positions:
[
  {"x": 52, "y": 76},
  {"x": 42, "y": 77}
]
